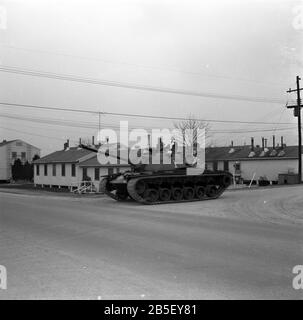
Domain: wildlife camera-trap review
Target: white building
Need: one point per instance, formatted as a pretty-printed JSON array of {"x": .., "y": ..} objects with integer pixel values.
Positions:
[
  {"x": 12, "y": 150},
  {"x": 253, "y": 162},
  {"x": 68, "y": 168}
]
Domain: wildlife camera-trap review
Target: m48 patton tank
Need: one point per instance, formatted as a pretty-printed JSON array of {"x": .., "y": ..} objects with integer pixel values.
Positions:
[{"x": 163, "y": 183}]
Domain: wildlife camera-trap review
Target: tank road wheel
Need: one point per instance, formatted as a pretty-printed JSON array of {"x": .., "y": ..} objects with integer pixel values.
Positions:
[
  {"x": 140, "y": 187},
  {"x": 103, "y": 185},
  {"x": 164, "y": 194},
  {"x": 121, "y": 195},
  {"x": 210, "y": 181},
  {"x": 211, "y": 191},
  {"x": 200, "y": 192},
  {"x": 151, "y": 195},
  {"x": 188, "y": 193},
  {"x": 177, "y": 194}
]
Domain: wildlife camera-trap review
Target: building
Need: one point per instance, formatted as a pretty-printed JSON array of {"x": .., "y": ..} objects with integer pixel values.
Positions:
[
  {"x": 12, "y": 150},
  {"x": 72, "y": 168},
  {"x": 252, "y": 162}
]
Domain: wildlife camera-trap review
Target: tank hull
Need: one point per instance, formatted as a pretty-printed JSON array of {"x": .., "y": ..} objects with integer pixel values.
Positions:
[{"x": 152, "y": 189}]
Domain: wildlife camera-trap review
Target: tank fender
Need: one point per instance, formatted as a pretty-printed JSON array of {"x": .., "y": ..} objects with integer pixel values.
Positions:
[{"x": 119, "y": 180}]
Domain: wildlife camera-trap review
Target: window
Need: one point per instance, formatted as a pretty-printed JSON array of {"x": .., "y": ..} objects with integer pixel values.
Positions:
[
  {"x": 215, "y": 165},
  {"x": 97, "y": 173},
  {"x": 63, "y": 169},
  {"x": 110, "y": 171},
  {"x": 226, "y": 166},
  {"x": 73, "y": 170},
  {"x": 23, "y": 155},
  {"x": 14, "y": 155},
  {"x": 237, "y": 167},
  {"x": 84, "y": 175},
  {"x": 19, "y": 144},
  {"x": 54, "y": 169},
  {"x": 37, "y": 170},
  {"x": 45, "y": 169}
]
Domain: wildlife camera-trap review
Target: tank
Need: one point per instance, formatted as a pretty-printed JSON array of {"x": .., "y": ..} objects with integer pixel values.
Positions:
[{"x": 163, "y": 183}]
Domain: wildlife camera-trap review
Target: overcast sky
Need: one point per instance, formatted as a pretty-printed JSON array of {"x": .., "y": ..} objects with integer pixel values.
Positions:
[{"x": 247, "y": 48}]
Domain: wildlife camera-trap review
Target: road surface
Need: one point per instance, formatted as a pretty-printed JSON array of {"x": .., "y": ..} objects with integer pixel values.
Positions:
[{"x": 243, "y": 245}]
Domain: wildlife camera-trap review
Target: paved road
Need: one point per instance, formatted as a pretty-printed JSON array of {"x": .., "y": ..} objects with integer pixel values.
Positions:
[{"x": 243, "y": 245}]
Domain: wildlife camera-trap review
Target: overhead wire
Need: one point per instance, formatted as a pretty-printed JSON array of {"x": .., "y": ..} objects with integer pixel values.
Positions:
[
  {"x": 128, "y": 64},
  {"x": 131, "y": 114},
  {"x": 136, "y": 86}
]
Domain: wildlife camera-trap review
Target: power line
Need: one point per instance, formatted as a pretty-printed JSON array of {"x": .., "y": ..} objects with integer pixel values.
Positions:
[
  {"x": 66, "y": 77},
  {"x": 134, "y": 115},
  {"x": 60, "y": 122},
  {"x": 34, "y": 134},
  {"x": 128, "y": 64},
  {"x": 281, "y": 114},
  {"x": 36, "y": 127},
  {"x": 56, "y": 122},
  {"x": 251, "y": 131}
]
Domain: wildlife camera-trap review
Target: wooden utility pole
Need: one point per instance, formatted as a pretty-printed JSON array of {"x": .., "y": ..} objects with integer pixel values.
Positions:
[{"x": 297, "y": 113}]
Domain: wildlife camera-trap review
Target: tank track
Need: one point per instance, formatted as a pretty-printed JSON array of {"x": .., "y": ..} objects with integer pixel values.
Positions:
[
  {"x": 217, "y": 183},
  {"x": 104, "y": 188}
]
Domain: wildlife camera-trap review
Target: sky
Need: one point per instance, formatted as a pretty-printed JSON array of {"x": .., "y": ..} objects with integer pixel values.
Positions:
[{"x": 247, "y": 48}]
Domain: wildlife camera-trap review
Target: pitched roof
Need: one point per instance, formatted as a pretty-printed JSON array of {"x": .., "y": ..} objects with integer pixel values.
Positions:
[
  {"x": 244, "y": 153},
  {"x": 70, "y": 155},
  {"x": 74, "y": 154},
  {"x": 93, "y": 162},
  {"x": 4, "y": 142}
]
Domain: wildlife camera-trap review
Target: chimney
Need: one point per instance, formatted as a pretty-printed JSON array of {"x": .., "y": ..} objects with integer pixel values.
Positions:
[
  {"x": 274, "y": 142},
  {"x": 93, "y": 140},
  {"x": 282, "y": 143},
  {"x": 66, "y": 144},
  {"x": 252, "y": 144},
  {"x": 263, "y": 140},
  {"x": 265, "y": 143},
  {"x": 232, "y": 143},
  {"x": 79, "y": 140},
  {"x": 161, "y": 150}
]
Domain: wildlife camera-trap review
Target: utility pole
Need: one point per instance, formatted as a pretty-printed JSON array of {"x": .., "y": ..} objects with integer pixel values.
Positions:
[{"x": 297, "y": 113}]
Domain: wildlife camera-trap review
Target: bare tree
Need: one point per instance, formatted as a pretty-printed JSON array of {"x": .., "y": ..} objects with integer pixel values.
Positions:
[
  {"x": 86, "y": 141},
  {"x": 192, "y": 130}
]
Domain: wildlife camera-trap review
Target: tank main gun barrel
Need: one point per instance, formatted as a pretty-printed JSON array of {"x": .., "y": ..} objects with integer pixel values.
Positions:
[
  {"x": 83, "y": 146},
  {"x": 96, "y": 151}
]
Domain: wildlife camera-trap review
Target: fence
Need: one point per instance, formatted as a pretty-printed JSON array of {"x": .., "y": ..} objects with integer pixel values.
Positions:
[{"x": 83, "y": 187}]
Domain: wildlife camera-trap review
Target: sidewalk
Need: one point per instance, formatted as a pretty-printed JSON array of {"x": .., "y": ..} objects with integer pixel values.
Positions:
[
  {"x": 30, "y": 189},
  {"x": 256, "y": 187}
]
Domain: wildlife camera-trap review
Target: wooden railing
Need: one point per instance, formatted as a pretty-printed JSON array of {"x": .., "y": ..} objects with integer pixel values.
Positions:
[{"x": 83, "y": 187}]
